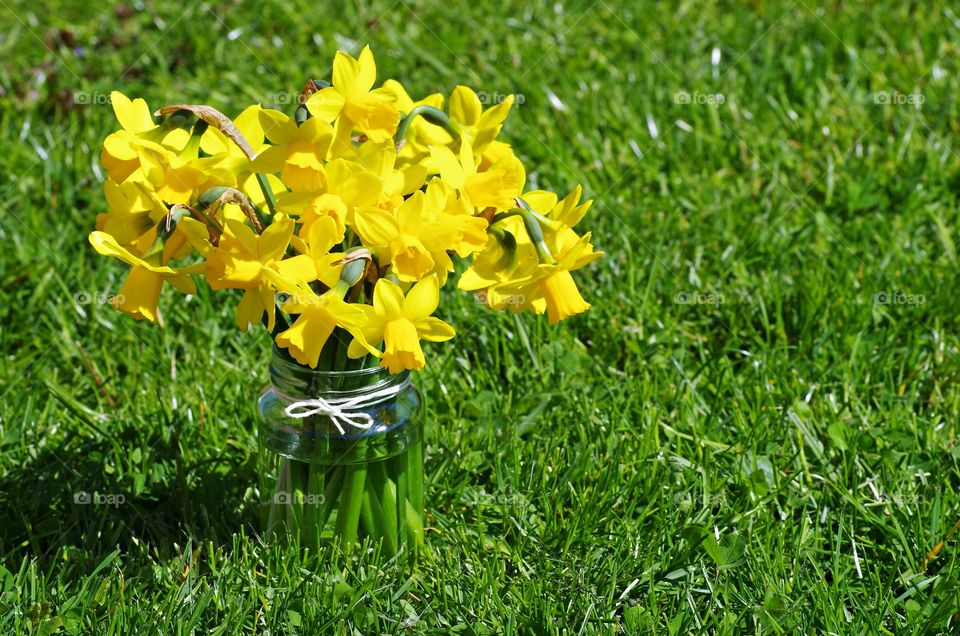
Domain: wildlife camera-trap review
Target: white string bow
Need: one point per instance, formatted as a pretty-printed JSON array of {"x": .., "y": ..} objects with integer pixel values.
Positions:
[{"x": 343, "y": 411}]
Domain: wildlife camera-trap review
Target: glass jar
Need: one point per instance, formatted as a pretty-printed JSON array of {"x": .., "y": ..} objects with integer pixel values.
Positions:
[{"x": 345, "y": 475}]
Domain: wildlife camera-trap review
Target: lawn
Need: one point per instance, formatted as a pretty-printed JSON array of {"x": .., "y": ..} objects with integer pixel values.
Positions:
[{"x": 753, "y": 430}]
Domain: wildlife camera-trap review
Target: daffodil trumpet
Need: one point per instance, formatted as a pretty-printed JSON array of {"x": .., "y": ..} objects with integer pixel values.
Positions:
[{"x": 342, "y": 228}]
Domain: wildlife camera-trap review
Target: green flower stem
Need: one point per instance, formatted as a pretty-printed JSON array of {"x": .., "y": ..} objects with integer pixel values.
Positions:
[
  {"x": 383, "y": 499},
  {"x": 535, "y": 232},
  {"x": 388, "y": 495},
  {"x": 502, "y": 216},
  {"x": 414, "y": 531},
  {"x": 299, "y": 476},
  {"x": 433, "y": 115},
  {"x": 387, "y": 532},
  {"x": 367, "y": 517},
  {"x": 351, "y": 500},
  {"x": 327, "y": 354},
  {"x": 313, "y": 506},
  {"x": 415, "y": 475},
  {"x": 331, "y": 494},
  {"x": 267, "y": 193},
  {"x": 399, "y": 463},
  {"x": 532, "y": 223},
  {"x": 277, "y": 515},
  {"x": 410, "y": 497},
  {"x": 316, "y": 508},
  {"x": 378, "y": 523}
]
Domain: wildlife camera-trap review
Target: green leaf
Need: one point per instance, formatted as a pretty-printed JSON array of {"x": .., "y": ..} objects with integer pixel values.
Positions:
[{"x": 728, "y": 551}]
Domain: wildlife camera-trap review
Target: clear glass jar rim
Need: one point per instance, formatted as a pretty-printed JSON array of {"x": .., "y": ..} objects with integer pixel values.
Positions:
[
  {"x": 287, "y": 379},
  {"x": 281, "y": 358}
]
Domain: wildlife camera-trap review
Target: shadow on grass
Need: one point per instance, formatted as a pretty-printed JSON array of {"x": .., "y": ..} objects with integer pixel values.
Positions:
[{"x": 133, "y": 490}]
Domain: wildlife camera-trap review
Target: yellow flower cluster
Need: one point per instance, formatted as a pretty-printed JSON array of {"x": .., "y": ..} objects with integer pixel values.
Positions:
[{"x": 345, "y": 216}]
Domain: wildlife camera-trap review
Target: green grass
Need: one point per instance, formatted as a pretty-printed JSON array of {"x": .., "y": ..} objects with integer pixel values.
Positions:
[{"x": 777, "y": 454}]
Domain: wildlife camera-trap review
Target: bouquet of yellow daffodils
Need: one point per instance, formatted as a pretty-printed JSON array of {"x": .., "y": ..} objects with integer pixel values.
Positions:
[{"x": 342, "y": 220}]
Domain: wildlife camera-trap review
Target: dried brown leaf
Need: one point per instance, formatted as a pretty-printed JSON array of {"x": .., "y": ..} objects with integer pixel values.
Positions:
[{"x": 216, "y": 119}]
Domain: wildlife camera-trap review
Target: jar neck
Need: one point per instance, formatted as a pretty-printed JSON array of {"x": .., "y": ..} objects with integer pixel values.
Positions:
[{"x": 301, "y": 382}]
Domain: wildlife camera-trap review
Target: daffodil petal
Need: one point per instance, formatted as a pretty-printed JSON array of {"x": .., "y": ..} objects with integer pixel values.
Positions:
[
  {"x": 275, "y": 238},
  {"x": 388, "y": 299},
  {"x": 433, "y": 329},
  {"x": 299, "y": 267},
  {"x": 139, "y": 294},
  {"x": 326, "y": 104},
  {"x": 133, "y": 115},
  {"x": 349, "y": 76},
  {"x": 465, "y": 105},
  {"x": 376, "y": 227},
  {"x": 277, "y": 127},
  {"x": 422, "y": 299}
]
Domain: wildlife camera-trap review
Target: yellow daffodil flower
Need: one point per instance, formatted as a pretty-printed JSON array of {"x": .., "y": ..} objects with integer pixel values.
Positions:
[
  {"x": 397, "y": 239},
  {"x": 500, "y": 263},
  {"x": 317, "y": 317},
  {"x": 415, "y": 146},
  {"x": 135, "y": 210},
  {"x": 450, "y": 218},
  {"x": 121, "y": 154},
  {"x": 309, "y": 207},
  {"x": 181, "y": 176},
  {"x": 497, "y": 187},
  {"x": 179, "y": 180},
  {"x": 550, "y": 287},
  {"x": 298, "y": 153},
  {"x": 348, "y": 185},
  {"x": 240, "y": 261},
  {"x": 141, "y": 290},
  {"x": 401, "y": 323},
  {"x": 352, "y": 102},
  {"x": 478, "y": 127},
  {"x": 396, "y": 181},
  {"x": 317, "y": 262},
  {"x": 414, "y": 241},
  {"x": 518, "y": 280},
  {"x": 328, "y": 196}
]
